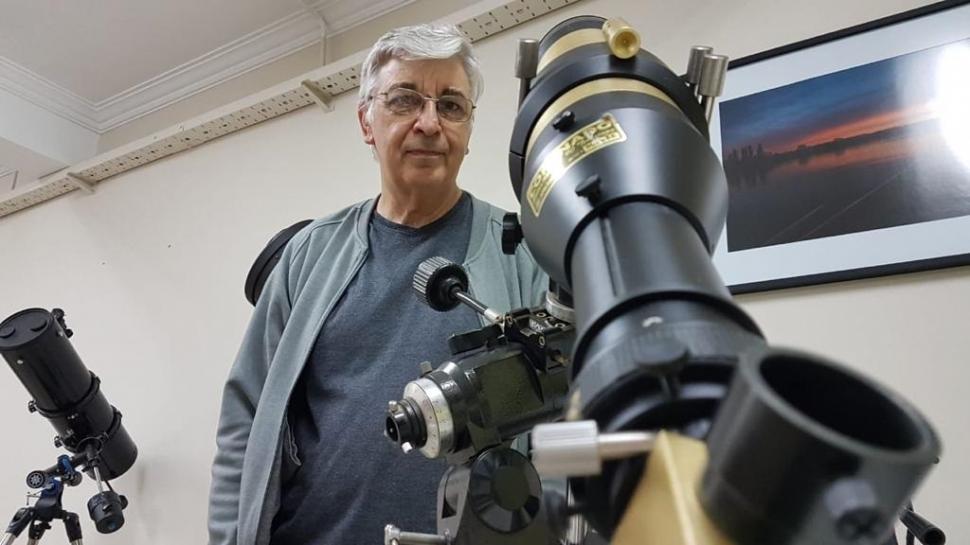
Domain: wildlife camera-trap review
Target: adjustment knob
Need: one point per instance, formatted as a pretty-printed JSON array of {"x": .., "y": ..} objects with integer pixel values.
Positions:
[
  {"x": 504, "y": 490},
  {"x": 577, "y": 449},
  {"x": 75, "y": 479},
  {"x": 511, "y": 233},
  {"x": 37, "y": 479},
  {"x": 566, "y": 448},
  {"x": 436, "y": 282}
]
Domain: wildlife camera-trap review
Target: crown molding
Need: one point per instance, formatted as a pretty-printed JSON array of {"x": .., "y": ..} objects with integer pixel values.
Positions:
[
  {"x": 356, "y": 16},
  {"x": 50, "y": 96},
  {"x": 255, "y": 50}
]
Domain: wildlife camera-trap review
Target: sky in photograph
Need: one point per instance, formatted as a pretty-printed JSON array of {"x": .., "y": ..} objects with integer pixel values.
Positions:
[{"x": 851, "y": 102}]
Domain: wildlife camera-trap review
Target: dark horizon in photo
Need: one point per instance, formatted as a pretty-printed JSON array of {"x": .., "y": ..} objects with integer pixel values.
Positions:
[{"x": 860, "y": 149}]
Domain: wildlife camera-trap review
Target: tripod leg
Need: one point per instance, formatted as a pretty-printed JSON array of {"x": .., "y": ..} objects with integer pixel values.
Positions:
[
  {"x": 37, "y": 529},
  {"x": 73, "y": 526},
  {"x": 23, "y": 518}
]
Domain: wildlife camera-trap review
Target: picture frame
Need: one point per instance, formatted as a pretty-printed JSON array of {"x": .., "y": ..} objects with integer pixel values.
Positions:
[{"x": 848, "y": 154}]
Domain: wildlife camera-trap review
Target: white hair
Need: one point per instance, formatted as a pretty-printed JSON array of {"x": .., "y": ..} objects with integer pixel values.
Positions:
[{"x": 426, "y": 41}]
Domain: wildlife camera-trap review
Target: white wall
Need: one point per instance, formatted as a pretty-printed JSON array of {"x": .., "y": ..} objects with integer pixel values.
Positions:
[{"x": 150, "y": 270}]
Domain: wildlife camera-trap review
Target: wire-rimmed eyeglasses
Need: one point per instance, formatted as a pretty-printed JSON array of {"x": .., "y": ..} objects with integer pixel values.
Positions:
[{"x": 407, "y": 102}]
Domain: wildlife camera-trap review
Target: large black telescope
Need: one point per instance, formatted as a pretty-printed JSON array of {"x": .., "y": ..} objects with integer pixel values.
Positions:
[
  {"x": 35, "y": 344},
  {"x": 37, "y": 349},
  {"x": 623, "y": 201}
]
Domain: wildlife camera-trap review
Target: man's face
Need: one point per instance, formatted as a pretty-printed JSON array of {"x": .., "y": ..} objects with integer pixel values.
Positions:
[{"x": 421, "y": 149}]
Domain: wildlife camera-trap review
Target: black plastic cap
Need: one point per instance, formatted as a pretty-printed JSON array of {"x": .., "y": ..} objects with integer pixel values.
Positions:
[{"x": 511, "y": 233}]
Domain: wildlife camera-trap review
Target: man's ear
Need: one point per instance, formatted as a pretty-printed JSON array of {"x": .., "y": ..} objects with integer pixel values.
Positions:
[{"x": 365, "y": 127}]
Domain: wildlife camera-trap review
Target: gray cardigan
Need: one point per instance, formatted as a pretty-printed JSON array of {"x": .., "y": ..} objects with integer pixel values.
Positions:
[{"x": 254, "y": 442}]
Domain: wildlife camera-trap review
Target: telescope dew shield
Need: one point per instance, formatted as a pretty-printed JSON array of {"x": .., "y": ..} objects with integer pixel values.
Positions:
[
  {"x": 64, "y": 391},
  {"x": 845, "y": 454}
]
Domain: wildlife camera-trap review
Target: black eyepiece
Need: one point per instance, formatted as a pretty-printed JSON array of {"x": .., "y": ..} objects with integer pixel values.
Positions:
[{"x": 404, "y": 425}]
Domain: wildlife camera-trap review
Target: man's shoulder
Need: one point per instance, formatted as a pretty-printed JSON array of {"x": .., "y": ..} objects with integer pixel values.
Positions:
[
  {"x": 495, "y": 213},
  {"x": 321, "y": 231}
]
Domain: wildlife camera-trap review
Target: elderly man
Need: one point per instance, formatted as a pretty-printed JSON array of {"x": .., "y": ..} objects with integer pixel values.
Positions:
[{"x": 337, "y": 332}]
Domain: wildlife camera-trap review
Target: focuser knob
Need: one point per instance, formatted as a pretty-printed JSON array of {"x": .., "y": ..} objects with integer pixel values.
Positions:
[{"x": 436, "y": 282}]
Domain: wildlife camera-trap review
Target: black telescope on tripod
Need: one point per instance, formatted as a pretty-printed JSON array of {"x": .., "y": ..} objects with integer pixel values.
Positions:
[{"x": 35, "y": 343}]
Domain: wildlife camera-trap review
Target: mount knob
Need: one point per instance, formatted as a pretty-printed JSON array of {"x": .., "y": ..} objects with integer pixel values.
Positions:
[{"x": 436, "y": 282}]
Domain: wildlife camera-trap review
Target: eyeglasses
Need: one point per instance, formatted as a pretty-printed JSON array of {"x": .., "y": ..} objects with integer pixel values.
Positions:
[{"x": 408, "y": 102}]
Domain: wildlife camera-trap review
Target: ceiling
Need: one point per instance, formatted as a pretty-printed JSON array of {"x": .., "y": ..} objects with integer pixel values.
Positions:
[
  {"x": 70, "y": 70},
  {"x": 99, "y": 49}
]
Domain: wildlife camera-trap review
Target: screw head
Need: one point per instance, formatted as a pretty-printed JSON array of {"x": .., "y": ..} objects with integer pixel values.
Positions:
[
  {"x": 854, "y": 509},
  {"x": 564, "y": 121},
  {"x": 858, "y": 524}
]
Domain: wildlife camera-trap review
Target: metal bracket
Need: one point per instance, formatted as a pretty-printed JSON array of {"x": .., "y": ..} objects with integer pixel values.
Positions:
[
  {"x": 319, "y": 95},
  {"x": 81, "y": 183}
]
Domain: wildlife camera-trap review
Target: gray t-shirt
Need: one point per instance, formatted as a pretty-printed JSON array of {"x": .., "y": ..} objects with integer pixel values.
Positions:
[{"x": 353, "y": 481}]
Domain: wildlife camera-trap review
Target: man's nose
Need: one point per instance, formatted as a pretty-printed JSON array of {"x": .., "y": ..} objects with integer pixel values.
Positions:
[{"x": 427, "y": 121}]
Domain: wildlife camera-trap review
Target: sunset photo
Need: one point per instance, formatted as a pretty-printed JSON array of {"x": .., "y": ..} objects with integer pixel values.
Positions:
[{"x": 871, "y": 147}]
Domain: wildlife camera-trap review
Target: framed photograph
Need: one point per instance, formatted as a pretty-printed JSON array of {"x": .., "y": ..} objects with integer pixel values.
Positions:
[{"x": 848, "y": 155}]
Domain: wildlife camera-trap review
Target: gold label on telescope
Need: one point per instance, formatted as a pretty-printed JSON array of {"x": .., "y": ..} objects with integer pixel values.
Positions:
[{"x": 599, "y": 134}]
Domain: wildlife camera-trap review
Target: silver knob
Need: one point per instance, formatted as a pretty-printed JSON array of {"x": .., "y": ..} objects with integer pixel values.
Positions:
[
  {"x": 577, "y": 449},
  {"x": 695, "y": 61},
  {"x": 394, "y": 536},
  {"x": 713, "y": 70},
  {"x": 566, "y": 448}
]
